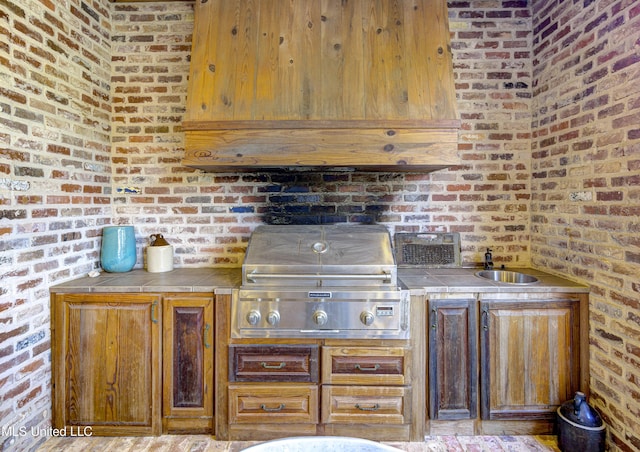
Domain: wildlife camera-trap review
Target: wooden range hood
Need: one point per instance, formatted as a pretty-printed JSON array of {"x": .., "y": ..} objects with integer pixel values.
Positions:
[{"x": 321, "y": 84}]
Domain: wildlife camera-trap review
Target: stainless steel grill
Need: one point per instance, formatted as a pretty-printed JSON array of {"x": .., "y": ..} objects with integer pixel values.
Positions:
[{"x": 320, "y": 281}]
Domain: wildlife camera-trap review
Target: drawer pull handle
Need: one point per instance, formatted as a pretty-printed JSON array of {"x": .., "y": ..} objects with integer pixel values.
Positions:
[
  {"x": 207, "y": 327},
  {"x": 367, "y": 369},
  {"x": 268, "y": 366},
  {"x": 263, "y": 407},
  {"x": 366, "y": 408},
  {"x": 153, "y": 311}
]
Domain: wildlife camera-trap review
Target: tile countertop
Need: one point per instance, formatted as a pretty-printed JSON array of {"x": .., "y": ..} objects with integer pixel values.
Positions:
[
  {"x": 219, "y": 280},
  {"x": 456, "y": 280},
  {"x": 223, "y": 280}
]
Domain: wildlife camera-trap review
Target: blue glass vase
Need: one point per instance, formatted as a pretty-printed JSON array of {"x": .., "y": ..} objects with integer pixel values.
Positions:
[{"x": 118, "y": 252}]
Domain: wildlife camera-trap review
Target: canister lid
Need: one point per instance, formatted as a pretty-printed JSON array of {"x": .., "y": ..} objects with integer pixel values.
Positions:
[{"x": 158, "y": 240}]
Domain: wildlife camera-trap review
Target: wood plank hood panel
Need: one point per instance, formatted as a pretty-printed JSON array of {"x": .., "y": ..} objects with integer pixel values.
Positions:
[{"x": 321, "y": 83}]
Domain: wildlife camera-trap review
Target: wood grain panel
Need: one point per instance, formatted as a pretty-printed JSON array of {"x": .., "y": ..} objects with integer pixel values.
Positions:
[
  {"x": 327, "y": 60},
  {"x": 188, "y": 360},
  {"x": 106, "y": 376},
  {"x": 218, "y": 97},
  {"x": 284, "y": 363},
  {"x": 370, "y": 404},
  {"x": 233, "y": 148},
  {"x": 320, "y": 60},
  {"x": 453, "y": 359},
  {"x": 113, "y": 366},
  {"x": 273, "y": 404},
  {"x": 530, "y": 354},
  {"x": 364, "y": 366},
  {"x": 188, "y": 357}
]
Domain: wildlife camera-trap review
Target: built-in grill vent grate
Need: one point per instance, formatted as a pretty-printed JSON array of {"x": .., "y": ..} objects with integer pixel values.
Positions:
[
  {"x": 427, "y": 250},
  {"x": 432, "y": 255}
]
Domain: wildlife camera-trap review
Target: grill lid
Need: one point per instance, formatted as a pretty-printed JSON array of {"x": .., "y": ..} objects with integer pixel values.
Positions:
[{"x": 320, "y": 255}]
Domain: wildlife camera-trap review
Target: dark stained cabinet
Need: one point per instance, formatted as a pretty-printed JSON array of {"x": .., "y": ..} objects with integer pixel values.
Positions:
[
  {"x": 453, "y": 359},
  {"x": 188, "y": 364},
  {"x": 283, "y": 363}
]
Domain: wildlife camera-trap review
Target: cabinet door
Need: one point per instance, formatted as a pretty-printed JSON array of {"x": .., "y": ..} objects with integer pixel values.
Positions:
[
  {"x": 529, "y": 357},
  {"x": 188, "y": 364},
  {"x": 106, "y": 354},
  {"x": 453, "y": 359}
]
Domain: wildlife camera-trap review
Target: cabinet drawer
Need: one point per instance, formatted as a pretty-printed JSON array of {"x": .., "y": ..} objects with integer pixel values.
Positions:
[
  {"x": 364, "y": 365},
  {"x": 283, "y": 363},
  {"x": 365, "y": 405},
  {"x": 273, "y": 404}
]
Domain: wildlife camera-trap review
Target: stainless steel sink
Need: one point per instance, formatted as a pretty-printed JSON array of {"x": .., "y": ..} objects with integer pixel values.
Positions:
[{"x": 508, "y": 277}]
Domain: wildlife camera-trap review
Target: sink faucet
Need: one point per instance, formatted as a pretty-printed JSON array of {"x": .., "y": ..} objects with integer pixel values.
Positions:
[{"x": 488, "y": 260}]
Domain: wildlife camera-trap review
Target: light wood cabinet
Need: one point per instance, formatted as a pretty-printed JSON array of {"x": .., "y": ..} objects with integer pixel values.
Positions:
[
  {"x": 188, "y": 358},
  {"x": 366, "y": 405},
  {"x": 365, "y": 365},
  {"x": 364, "y": 386},
  {"x": 511, "y": 357},
  {"x": 453, "y": 358},
  {"x": 133, "y": 364},
  {"x": 530, "y": 355},
  {"x": 273, "y": 404},
  {"x": 359, "y": 386},
  {"x": 106, "y": 353},
  {"x": 272, "y": 390}
]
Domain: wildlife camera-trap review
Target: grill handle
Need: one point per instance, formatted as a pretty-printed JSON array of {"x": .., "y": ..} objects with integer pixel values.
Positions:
[{"x": 386, "y": 277}]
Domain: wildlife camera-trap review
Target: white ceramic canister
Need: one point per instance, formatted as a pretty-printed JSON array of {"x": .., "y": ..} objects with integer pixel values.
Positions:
[{"x": 159, "y": 255}]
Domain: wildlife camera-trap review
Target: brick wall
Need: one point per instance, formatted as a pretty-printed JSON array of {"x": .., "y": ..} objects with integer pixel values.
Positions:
[
  {"x": 586, "y": 184},
  {"x": 54, "y": 184}
]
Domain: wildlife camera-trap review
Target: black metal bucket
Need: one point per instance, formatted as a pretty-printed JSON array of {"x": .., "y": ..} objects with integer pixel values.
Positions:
[{"x": 580, "y": 427}]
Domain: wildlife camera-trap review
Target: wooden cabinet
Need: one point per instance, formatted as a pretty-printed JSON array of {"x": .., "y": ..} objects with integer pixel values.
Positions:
[
  {"x": 530, "y": 356},
  {"x": 453, "y": 358},
  {"x": 367, "y": 385},
  {"x": 188, "y": 359},
  {"x": 133, "y": 364},
  {"x": 512, "y": 357},
  {"x": 106, "y": 353},
  {"x": 273, "y": 390},
  {"x": 359, "y": 386}
]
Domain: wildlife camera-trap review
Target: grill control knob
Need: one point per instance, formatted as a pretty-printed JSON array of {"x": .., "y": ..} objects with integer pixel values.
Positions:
[
  {"x": 320, "y": 318},
  {"x": 366, "y": 318},
  {"x": 273, "y": 318},
  {"x": 253, "y": 317}
]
